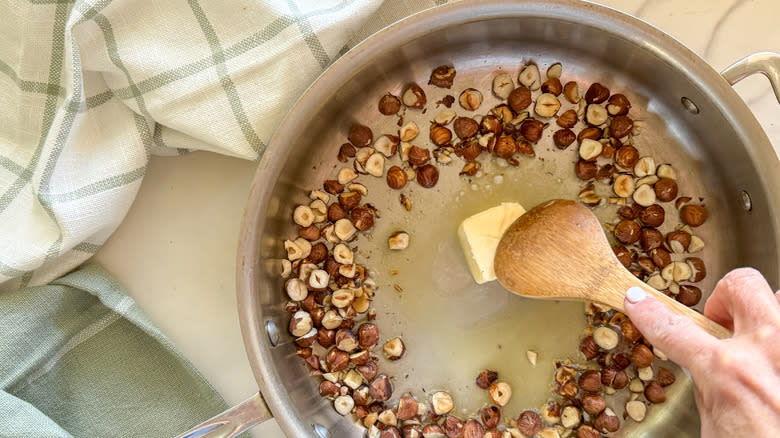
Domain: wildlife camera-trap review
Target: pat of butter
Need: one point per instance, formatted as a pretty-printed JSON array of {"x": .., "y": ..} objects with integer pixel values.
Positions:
[{"x": 479, "y": 236}]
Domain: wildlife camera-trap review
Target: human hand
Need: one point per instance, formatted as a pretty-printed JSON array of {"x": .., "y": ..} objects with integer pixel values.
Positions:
[{"x": 736, "y": 380}]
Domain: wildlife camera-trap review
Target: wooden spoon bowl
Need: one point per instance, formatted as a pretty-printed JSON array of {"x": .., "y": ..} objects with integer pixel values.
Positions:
[{"x": 558, "y": 251}]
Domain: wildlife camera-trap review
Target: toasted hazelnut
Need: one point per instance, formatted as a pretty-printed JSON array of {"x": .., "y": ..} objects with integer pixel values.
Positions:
[
  {"x": 661, "y": 257},
  {"x": 433, "y": 431},
  {"x": 641, "y": 356},
  {"x": 389, "y": 104},
  {"x": 653, "y": 215},
  {"x": 654, "y": 393},
  {"x": 344, "y": 404},
  {"x": 500, "y": 393},
  {"x": 444, "y": 117},
  {"x": 689, "y": 295},
  {"x": 623, "y": 255},
  {"x": 368, "y": 336},
  {"x": 428, "y": 176},
  {"x": 331, "y": 320},
  {"x": 439, "y": 135},
  {"x": 532, "y": 129},
  {"x": 568, "y": 119},
  {"x": 590, "y": 149},
  {"x": 590, "y": 381},
  {"x": 490, "y": 415},
  {"x": 342, "y": 298},
  {"x": 585, "y": 170},
  {"x": 693, "y": 215},
  {"x": 375, "y": 166},
  {"x": 696, "y": 244},
  {"x": 644, "y": 166},
  {"x": 607, "y": 421},
  {"x": 568, "y": 389},
  {"x": 586, "y": 431},
  {"x": 636, "y": 386},
  {"x": 621, "y": 126},
  {"x": 665, "y": 189},
  {"x": 398, "y": 241},
  {"x": 547, "y": 105},
  {"x": 381, "y": 389},
  {"x": 453, "y": 427},
  {"x": 627, "y": 232},
  {"x": 407, "y": 408},
  {"x": 362, "y": 218},
  {"x": 337, "y": 360},
  {"x": 589, "y": 133},
  {"x": 593, "y": 404},
  {"x": 360, "y": 135},
  {"x": 442, "y": 76},
  {"x": 649, "y": 179},
  {"x": 678, "y": 241},
  {"x": 470, "y": 99},
  {"x": 666, "y": 171},
  {"x": 650, "y": 239},
  {"x": 394, "y": 349},
  {"x": 414, "y": 96},
  {"x": 303, "y": 216},
  {"x": 407, "y": 133},
  {"x": 596, "y": 114},
  {"x": 486, "y": 378},
  {"x": 519, "y": 99},
  {"x": 636, "y": 410},
  {"x": 618, "y": 105},
  {"x": 296, "y": 289},
  {"x": 626, "y": 156},
  {"x": 473, "y": 429},
  {"x": 441, "y": 402},
  {"x": 396, "y": 178},
  {"x": 529, "y": 423},
  {"x": 605, "y": 338},
  {"x": 554, "y": 71},
  {"x": 644, "y": 196},
  {"x": 329, "y": 389},
  {"x": 368, "y": 370},
  {"x": 570, "y": 417},
  {"x": 552, "y": 86},
  {"x": 503, "y": 85},
  {"x": 572, "y": 92},
  {"x": 698, "y": 269},
  {"x": 630, "y": 212},
  {"x": 349, "y": 200},
  {"x": 530, "y": 77},
  {"x": 320, "y": 211},
  {"x": 623, "y": 185},
  {"x": 665, "y": 377},
  {"x": 346, "y": 340},
  {"x": 388, "y": 417},
  {"x": 596, "y": 93},
  {"x": 344, "y": 229},
  {"x": 465, "y": 127},
  {"x": 297, "y": 249},
  {"x": 318, "y": 280},
  {"x": 505, "y": 146},
  {"x": 677, "y": 271}
]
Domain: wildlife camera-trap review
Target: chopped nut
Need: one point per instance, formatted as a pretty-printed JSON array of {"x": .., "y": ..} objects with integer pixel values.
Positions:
[
  {"x": 398, "y": 241},
  {"x": 442, "y": 403},
  {"x": 697, "y": 244},
  {"x": 570, "y": 417},
  {"x": 636, "y": 386},
  {"x": 572, "y": 92},
  {"x": 362, "y": 218},
  {"x": 394, "y": 349},
  {"x": 552, "y": 86},
  {"x": 300, "y": 323},
  {"x": 444, "y": 117},
  {"x": 636, "y": 410},
  {"x": 607, "y": 421},
  {"x": 649, "y": 180},
  {"x": 296, "y": 289},
  {"x": 343, "y": 254},
  {"x": 381, "y": 389},
  {"x": 303, "y": 216},
  {"x": 342, "y": 298},
  {"x": 596, "y": 114},
  {"x": 656, "y": 282},
  {"x": 318, "y": 280},
  {"x": 470, "y": 99},
  {"x": 666, "y": 171},
  {"x": 503, "y": 85},
  {"x": 345, "y": 176},
  {"x": 344, "y": 404},
  {"x": 297, "y": 249},
  {"x": 375, "y": 165},
  {"x": 644, "y": 196},
  {"x": 414, "y": 97},
  {"x": 590, "y": 149},
  {"x": 344, "y": 229},
  {"x": 605, "y": 338},
  {"x": 532, "y": 356},
  {"x": 388, "y": 417},
  {"x": 387, "y": 145},
  {"x": 644, "y": 167},
  {"x": 596, "y": 93},
  {"x": 530, "y": 77},
  {"x": 500, "y": 393},
  {"x": 442, "y": 76},
  {"x": 624, "y": 185},
  {"x": 547, "y": 105},
  {"x": 698, "y": 269},
  {"x": 408, "y": 132}
]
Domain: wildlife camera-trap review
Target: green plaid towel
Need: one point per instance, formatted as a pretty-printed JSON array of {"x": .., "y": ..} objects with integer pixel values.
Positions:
[{"x": 89, "y": 90}]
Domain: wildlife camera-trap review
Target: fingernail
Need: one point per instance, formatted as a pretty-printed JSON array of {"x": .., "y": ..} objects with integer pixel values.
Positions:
[{"x": 635, "y": 294}]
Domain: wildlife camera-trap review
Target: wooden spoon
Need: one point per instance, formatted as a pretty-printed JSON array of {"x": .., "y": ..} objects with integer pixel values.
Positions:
[{"x": 558, "y": 250}]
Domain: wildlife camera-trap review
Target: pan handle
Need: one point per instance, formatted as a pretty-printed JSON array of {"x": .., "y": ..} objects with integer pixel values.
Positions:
[
  {"x": 235, "y": 420},
  {"x": 767, "y": 63}
]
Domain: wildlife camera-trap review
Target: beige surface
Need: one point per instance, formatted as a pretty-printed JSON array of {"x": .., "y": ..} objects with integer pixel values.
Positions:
[{"x": 175, "y": 251}]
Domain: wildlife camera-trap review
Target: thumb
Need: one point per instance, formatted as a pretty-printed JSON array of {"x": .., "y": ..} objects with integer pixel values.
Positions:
[{"x": 677, "y": 336}]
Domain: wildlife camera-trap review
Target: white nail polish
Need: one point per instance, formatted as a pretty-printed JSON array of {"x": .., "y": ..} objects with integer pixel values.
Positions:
[{"x": 635, "y": 294}]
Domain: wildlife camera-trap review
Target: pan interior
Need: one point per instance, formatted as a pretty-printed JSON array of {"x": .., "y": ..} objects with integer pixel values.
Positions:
[{"x": 452, "y": 327}]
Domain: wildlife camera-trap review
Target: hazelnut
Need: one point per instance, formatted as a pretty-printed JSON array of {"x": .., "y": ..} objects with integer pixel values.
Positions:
[
  {"x": 453, "y": 427},
  {"x": 300, "y": 323},
  {"x": 649, "y": 179},
  {"x": 666, "y": 171},
  {"x": 572, "y": 92},
  {"x": 554, "y": 71},
  {"x": 419, "y": 156},
  {"x": 296, "y": 289},
  {"x": 465, "y": 127},
  {"x": 530, "y": 77},
  {"x": 552, "y": 86},
  {"x": 630, "y": 212},
  {"x": 345, "y": 176},
  {"x": 532, "y": 130},
  {"x": 362, "y": 218},
  {"x": 346, "y": 340},
  {"x": 473, "y": 429},
  {"x": 503, "y": 85},
  {"x": 329, "y": 389},
  {"x": 618, "y": 105},
  {"x": 623, "y": 255},
  {"x": 607, "y": 421},
  {"x": 470, "y": 150},
  {"x": 596, "y": 114},
  {"x": 440, "y": 135},
  {"x": 547, "y": 105},
  {"x": 630, "y": 332},
  {"x": 433, "y": 431},
  {"x": 337, "y": 360},
  {"x": 693, "y": 215},
  {"x": 589, "y": 197},
  {"x": 585, "y": 170},
  {"x": 491, "y": 124},
  {"x": 344, "y": 404},
  {"x": 441, "y": 402},
  {"x": 660, "y": 257},
  {"x": 407, "y": 133},
  {"x": 586, "y": 431},
  {"x": 349, "y": 200},
  {"x": 368, "y": 370},
  {"x": 303, "y": 216},
  {"x": 568, "y": 390},
  {"x": 590, "y": 149},
  {"x": 605, "y": 338},
  {"x": 319, "y": 279},
  {"x": 627, "y": 232},
  {"x": 689, "y": 295},
  {"x": 470, "y": 99},
  {"x": 389, "y": 104},
  {"x": 529, "y": 423},
  {"x": 414, "y": 96},
  {"x": 551, "y": 412},
  {"x": 624, "y": 185},
  {"x": 500, "y": 393},
  {"x": 390, "y": 432},
  {"x": 645, "y": 374},
  {"x": 636, "y": 410},
  {"x": 568, "y": 119},
  {"x": 626, "y": 156},
  {"x": 596, "y": 93},
  {"x": 360, "y": 135},
  {"x": 445, "y": 116},
  {"x": 698, "y": 269},
  {"x": 641, "y": 356},
  {"x": 654, "y": 393},
  {"x": 644, "y": 195},
  {"x": 428, "y": 176},
  {"x": 346, "y": 151},
  {"x": 650, "y": 239},
  {"x": 333, "y": 187},
  {"x": 486, "y": 378},
  {"x": 381, "y": 389},
  {"x": 563, "y": 138},
  {"x": 590, "y": 381},
  {"x": 519, "y": 99},
  {"x": 442, "y": 76},
  {"x": 593, "y": 404},
  {"x": 396, "y": 178},
  {"x": 644, "y": 166},
  {"x": 678, "y": 241},
  {"x": 470, "y": 169},
  {"x": 570, "y": 417},
  {"x": 665, "y": 189},
  {"x": 490, "y": 415},
  {"x": 653, "y": 215},
  {"x": 590, "y": 133},
  {"x": 398, "y": 241},
  {"x": 525, "y": 148},
  {"x": 505, "y": 146},
  {"x": 665, "y": 377},
  {"x": 394, "y": 349},
  {"x": 388, "y": 417},
  {"x": 407, "y": 408},
  {"x": 621, "y": 126}
]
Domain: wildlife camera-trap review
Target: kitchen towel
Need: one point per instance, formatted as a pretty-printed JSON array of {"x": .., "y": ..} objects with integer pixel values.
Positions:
[{"x": 89, "y": 90}]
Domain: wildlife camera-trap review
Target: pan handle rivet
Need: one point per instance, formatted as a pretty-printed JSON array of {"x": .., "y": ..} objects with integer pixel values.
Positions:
[
  {"x": 747, "y": 203},
  {"x": 320, "y": 431},
  {"x": 273, "y": 332},
  {"x": 689, "y": 105}
]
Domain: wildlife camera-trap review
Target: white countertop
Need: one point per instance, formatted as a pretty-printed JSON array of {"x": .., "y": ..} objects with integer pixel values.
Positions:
[{"x": 176, "y": 250}]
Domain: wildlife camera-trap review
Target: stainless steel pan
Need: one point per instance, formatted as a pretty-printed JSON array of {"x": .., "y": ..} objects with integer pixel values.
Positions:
[{"x": 691, "y": 118}]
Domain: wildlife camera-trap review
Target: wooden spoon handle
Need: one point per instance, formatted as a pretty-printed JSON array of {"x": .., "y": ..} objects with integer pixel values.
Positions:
[{"x": 702, "y": 321}]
